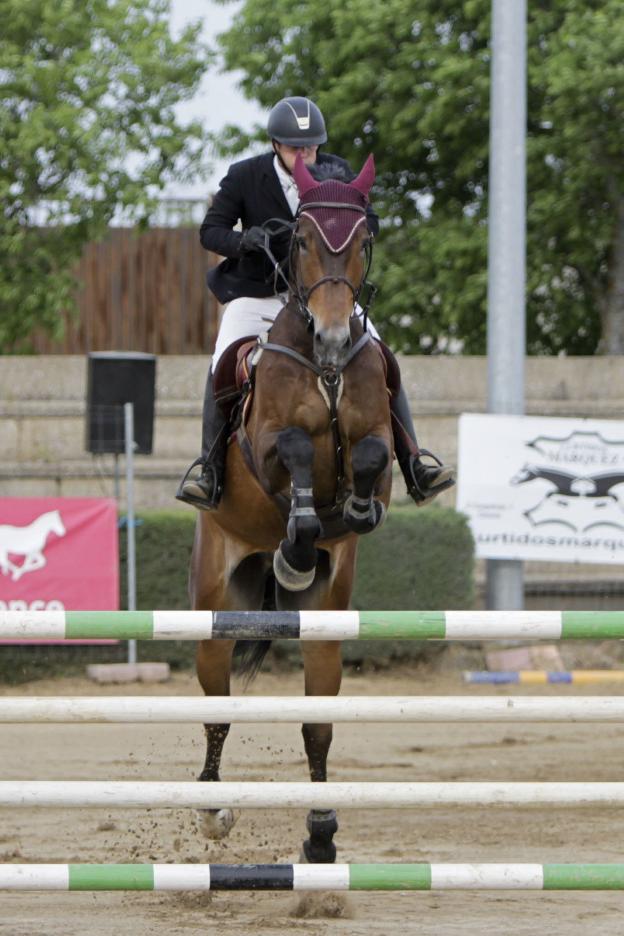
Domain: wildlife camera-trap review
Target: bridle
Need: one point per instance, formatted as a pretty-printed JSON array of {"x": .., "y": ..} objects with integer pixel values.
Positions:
[
  {"x": 330, "y": 377},
  {"x": 301, "y": 294}
]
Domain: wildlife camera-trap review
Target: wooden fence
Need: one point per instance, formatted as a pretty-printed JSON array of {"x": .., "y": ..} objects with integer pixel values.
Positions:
[{"x": 141, "y": 292}]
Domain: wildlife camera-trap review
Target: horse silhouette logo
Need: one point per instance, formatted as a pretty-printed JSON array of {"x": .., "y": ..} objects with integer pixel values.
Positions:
[
  {"x": 578, "y": 501},
  {"x": 28, "y": 541}
]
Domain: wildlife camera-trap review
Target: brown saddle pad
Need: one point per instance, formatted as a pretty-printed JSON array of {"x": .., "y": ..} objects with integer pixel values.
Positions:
[{"x": 232, "y": 371}]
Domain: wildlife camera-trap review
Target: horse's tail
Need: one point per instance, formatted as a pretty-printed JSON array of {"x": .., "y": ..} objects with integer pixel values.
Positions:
[{"x": 249, "y": 656}]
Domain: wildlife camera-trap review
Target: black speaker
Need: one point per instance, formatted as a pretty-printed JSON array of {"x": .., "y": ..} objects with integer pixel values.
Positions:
[{"x": 115, "y": 378}]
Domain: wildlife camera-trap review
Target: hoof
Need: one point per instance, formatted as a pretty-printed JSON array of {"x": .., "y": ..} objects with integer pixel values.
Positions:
[
  {"x": 362, "y": 522},
  {"x": 319, "y": 848},
  {"x": 317, "y": 854},
  {"x": 289, "y": 578},
  {"x": 217, "y": 823}
]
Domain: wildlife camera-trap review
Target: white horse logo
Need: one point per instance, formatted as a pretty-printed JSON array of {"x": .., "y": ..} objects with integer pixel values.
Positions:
[{"x": 29, "y": 542}]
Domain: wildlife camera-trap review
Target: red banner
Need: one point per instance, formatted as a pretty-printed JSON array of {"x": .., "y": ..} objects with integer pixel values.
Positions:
[{"x": 59, "y": 553}]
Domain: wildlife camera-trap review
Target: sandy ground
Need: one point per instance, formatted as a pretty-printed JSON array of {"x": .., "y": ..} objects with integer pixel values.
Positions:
[{"x": 362, "y": 752}]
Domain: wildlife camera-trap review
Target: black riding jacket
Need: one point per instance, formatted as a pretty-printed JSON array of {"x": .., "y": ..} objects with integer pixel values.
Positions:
[{"x": 251, "y": 193}]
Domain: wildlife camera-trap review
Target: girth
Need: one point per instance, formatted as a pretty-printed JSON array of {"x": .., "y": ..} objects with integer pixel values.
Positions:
[
  {"x": 330, "y": 515},
  {"x": 330, "y": 379}
]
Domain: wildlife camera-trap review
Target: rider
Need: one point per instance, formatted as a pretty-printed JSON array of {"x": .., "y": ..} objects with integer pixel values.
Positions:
[{"x": 253, "y": 191}]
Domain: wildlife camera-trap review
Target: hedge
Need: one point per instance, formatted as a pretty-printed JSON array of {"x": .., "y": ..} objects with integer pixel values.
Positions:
[{"x": 419, "y": 559}]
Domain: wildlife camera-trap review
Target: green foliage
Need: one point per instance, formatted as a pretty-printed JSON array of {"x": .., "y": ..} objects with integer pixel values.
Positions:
[
  {"x": 164, "y": 540},
  {"x": 87, "y": 122},
  {"x": 410, "y": 82},
  {"x": 419, "y": 559}
]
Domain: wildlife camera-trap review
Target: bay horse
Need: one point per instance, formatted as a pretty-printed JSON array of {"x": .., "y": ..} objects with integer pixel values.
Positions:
[{"x": 309, "y": 469}]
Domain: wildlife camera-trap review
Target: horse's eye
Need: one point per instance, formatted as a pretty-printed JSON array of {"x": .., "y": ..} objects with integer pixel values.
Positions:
[{"x": 301, "y": 243}]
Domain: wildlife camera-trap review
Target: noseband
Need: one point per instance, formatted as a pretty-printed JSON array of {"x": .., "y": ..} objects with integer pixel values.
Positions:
[{"x": 300, "y": 293}]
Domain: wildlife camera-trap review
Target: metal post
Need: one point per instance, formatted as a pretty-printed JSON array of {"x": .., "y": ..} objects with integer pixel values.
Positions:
[
  {"x": 129, "y": 448},
  {"x": 506, "y": 342},
  {"x": 116, "y": 479}
]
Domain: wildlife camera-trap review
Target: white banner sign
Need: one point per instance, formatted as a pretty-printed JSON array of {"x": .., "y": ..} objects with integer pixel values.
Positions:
[{"x": 541, "y": 488}]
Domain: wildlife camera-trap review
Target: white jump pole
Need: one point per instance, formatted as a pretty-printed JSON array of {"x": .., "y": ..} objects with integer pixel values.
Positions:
[
  {"x": 262, "y": 795},
  {"x": 312, "y": 710}
]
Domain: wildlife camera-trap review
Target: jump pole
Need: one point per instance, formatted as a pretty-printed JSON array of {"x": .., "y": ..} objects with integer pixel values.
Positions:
[
  {"x": 310, "y": 710},
  {"x": 312, "y": 625},
  {"x": 120, "y": 794},
  {"x": 542, "y": 677},
  {"x": 290, "y": 877}
]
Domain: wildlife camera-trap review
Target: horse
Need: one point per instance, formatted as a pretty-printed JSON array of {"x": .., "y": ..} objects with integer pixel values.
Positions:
[
  {"x": 308, "y": 471},
  {"x": 28, "y": 541}
]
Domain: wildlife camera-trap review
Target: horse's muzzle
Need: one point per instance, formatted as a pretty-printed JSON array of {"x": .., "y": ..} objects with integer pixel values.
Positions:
[{"x": 332, "y": 346}]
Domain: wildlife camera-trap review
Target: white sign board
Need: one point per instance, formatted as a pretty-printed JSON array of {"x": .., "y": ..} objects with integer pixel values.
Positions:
[{"x": 541, "y": 488}]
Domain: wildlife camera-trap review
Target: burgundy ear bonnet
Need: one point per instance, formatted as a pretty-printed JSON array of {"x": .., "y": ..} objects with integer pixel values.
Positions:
[{"x": 336, "y": 208}]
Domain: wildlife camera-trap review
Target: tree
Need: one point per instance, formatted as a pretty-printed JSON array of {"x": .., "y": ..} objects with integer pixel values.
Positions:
[
  {"x": 410, "y": 82},
  {"x": 87, "y": 123}
]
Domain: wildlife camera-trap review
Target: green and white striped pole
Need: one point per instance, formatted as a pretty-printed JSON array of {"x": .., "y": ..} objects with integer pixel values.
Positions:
[
  {"x": 289, "y": 877},
  {"x": 311, "y": 625}
]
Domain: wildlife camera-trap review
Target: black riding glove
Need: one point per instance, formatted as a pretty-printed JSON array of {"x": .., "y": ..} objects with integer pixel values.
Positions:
[{"x": 253, "y": 239}]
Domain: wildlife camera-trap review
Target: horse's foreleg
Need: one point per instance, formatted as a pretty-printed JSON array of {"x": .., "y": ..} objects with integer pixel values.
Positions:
[
  {"x": 362, "y": 511},
  {"x": 214, "y": 660},
  {"x": 294, "y": 562},
  {"x": 323, "y": 673}
]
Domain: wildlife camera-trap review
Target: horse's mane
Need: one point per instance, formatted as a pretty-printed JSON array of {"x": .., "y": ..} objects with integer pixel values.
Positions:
[{"x": 330, "y": 170}]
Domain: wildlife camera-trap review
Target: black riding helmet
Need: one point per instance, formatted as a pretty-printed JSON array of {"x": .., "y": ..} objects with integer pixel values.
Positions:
[{"x": 297, "y": 121}]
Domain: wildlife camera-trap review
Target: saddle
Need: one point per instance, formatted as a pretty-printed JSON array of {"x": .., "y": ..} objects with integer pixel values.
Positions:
[{"x": 232, "y": 378}]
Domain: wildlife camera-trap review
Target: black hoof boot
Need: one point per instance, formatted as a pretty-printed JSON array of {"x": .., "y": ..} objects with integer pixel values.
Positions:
[
  {"x": 363, "y": 515},
  {"x": 322, "y": 826}
]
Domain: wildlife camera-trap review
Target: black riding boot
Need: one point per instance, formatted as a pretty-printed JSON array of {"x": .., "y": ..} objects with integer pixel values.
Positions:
[
  {"x": 424, "y": 482},
  {"x": 204, "y": 488}
]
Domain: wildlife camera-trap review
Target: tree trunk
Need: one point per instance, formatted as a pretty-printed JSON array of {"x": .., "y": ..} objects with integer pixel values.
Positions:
[{"x": 612, "y": 340}]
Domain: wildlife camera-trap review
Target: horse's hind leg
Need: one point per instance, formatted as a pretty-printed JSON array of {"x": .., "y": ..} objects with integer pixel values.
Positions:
[
  {"x": 362, "y": 511},
  {"x": 223, "y": 576},
  {"x": 323, "y": 673},
  {"x": 214, "y": 661},
  {"x": 294, "y": 562}
]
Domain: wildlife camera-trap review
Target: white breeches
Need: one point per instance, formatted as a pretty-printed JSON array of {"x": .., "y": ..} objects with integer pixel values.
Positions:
[{"x": 247, "y": 316}]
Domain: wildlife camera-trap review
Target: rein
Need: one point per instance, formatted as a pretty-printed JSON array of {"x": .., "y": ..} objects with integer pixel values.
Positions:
[
  {"x": 302, "y": 295},
  {"x": 330, "y": 378}
]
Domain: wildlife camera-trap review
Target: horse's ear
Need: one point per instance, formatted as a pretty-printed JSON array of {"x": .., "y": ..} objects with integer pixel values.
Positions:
[
  {"x": 364, "y": 181},
  {"x": 305, "y": 181}
]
